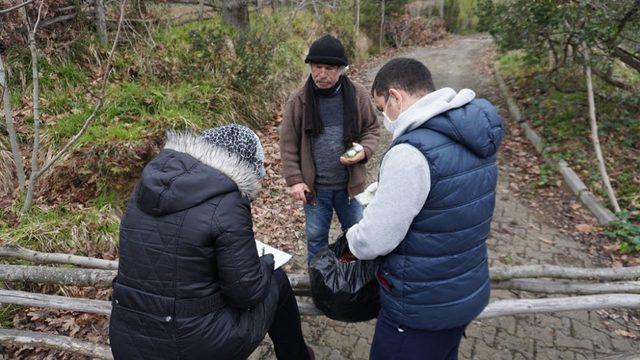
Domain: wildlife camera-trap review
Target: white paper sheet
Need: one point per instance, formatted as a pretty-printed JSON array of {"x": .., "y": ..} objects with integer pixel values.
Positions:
[{"x": 280, "y": 257}]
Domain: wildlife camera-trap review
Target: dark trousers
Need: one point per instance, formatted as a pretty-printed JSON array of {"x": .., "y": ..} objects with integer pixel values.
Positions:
[
  {"x": 393, "y": 342},
  {"x": 286, "y": 331}
]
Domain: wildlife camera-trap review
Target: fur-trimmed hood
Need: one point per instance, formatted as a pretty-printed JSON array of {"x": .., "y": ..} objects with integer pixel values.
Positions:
[{"x": 190, "y": 171}]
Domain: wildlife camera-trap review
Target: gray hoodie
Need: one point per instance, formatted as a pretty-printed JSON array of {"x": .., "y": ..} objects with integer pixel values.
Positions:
[{"x": 404, "y": 183}]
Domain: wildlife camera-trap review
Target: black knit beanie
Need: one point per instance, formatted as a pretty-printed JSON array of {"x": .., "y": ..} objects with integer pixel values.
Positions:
[{"x": 327, "y": 50}]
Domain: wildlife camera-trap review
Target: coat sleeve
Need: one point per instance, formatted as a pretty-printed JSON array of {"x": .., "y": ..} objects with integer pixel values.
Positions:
[
  {"x": 290, "y": 139},
  {"x": 370, "y": 126},
  {"x": 244, "y": 277}
]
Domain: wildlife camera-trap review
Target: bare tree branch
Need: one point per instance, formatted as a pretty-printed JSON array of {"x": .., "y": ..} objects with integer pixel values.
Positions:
[
  {"x": 560, "y": 272},
  {"x": 553, "y": 305},
  {"x": 195, "y": 2},
  {"x": 105, "y": 77},
  {"x": 57, "y": 275},
  {"x": 146, "y": 25},
  {"x": 57, "y": 342},
  {"x": 568, "y": 287},
  {"x": 4, "y": 11},
  {"x": 18, "y": 252},
  {"x": 298, "y": 280},
  {"x": 13, "y": 136},
  {"x": 58, "y": 19},
  {"x": 594, "y": 132},
  {"x": 35, "y": 173},
  {"x": 36, "y": 105},
  {"x": 617, "y": 83},
  {"x": 24, "y": 298},
  {"x": 494, "y": 309},
  {"x": 635, "y": 9},
  {"x": 627, "y": 57}
]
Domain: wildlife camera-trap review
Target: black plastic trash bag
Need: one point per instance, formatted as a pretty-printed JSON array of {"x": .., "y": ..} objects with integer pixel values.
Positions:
[{"x": 344, "y": 290}]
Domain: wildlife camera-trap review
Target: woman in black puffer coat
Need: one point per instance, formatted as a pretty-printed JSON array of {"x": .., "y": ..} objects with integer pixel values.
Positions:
[{"x": 190, "y": 284}]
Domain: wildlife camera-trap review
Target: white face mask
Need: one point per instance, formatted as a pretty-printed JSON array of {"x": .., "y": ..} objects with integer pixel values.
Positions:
[{"x": 389, "y": 124}]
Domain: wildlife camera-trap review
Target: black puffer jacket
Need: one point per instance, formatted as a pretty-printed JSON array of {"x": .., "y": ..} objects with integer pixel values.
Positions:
[{"x": 190, "y": 283}]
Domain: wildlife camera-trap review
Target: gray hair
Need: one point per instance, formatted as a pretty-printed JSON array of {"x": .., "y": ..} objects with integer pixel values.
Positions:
[{"x": 341, "y": 69}]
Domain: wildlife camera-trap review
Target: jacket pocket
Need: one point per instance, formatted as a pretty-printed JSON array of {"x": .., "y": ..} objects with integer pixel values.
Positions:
[{"x": 133, "y": 322}]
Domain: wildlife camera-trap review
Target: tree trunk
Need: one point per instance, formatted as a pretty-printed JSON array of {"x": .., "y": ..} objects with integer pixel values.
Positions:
[
  {"x": 101, "y": 22},
  {"x": 56, "y": 342},
  {"x": 357, "y": 19},
  {"x": 200, "y": 9},
  {"x": 13, "y": 136},
  {"x": 441, "y": 8},
  {"x": 594, "y": 133},
  {"x": 236, "y": 13},
  {"x": 382, "y": 13}
]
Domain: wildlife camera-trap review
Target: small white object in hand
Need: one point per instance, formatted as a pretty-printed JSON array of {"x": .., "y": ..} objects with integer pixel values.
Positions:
[
  {"x": 366, "y": 196},
  {"x": 353, "y": 151}
]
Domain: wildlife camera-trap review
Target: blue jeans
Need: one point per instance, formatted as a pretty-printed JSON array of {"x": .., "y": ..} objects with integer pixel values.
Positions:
[
  {"x": 319, "y": 215},
  {"x": 392, "y": 342}
]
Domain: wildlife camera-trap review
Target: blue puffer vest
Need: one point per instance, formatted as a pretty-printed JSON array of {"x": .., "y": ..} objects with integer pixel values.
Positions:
[{"x": 438, "y": 277}]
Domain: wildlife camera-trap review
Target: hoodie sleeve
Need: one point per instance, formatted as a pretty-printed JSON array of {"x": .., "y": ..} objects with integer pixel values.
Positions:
[
  {"x": 403, "y": 188},
  {"x": 244, "y": 276}
]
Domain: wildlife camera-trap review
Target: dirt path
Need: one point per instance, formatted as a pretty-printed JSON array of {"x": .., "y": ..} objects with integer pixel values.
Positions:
[{"x": 520, "y": 235}]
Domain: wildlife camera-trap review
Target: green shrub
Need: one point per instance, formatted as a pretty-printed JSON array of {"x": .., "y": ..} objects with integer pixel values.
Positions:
[{"x": 627, "y": 231}]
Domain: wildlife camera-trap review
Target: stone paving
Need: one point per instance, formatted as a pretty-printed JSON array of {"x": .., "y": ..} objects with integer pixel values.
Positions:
[{"x": 519, "y": 236}]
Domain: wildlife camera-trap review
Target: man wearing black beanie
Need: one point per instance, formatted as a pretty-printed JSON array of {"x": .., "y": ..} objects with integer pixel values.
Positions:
[{"x": 323, "y": 119}]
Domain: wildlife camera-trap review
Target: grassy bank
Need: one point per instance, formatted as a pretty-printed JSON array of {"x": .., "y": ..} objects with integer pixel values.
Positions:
[{"x": 194, "y": 76}]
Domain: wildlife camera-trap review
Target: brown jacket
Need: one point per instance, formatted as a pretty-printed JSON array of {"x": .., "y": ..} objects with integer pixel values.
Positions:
[{"x": 295, "y": 143}]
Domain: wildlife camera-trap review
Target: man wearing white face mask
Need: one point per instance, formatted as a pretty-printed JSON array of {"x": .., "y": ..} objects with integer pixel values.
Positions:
[{"x": 431, "y": 214}]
